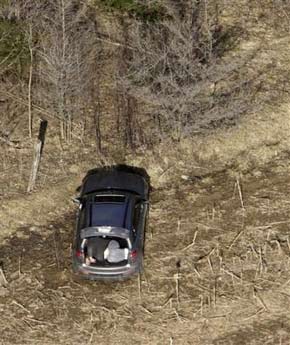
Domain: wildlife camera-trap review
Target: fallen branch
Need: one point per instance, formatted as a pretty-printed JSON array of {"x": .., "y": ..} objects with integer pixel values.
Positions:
[
  {"x": 3, "y": 280},
  {"x": 235, "y": 239},
  {"x": 192, "y": 243},
  {"x": 240, "y": 194},
  {"x": 259, "y": 298}
]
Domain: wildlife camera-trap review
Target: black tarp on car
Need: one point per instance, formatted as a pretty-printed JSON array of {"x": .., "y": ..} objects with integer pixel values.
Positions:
[{"x": 106, "y": 179}]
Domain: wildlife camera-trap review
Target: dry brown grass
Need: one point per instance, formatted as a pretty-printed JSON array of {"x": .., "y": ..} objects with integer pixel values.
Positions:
[
  {"x": 216, "y": 262},
  {"x": 214, "y": 274}
]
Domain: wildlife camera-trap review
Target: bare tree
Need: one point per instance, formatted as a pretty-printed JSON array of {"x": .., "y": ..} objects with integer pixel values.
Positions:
[
  {"x": 176, "y": 69},
  {"x": 29, "y": 98},
  {"x": 67, "y": 53}
]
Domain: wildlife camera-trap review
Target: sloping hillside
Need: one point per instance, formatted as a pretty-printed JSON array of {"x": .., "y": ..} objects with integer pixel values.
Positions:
[{"x": 217, "y": 246}]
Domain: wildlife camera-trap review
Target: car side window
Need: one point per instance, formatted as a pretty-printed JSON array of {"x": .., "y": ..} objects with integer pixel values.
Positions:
[
  {"x": 136, "y": 217},
  {"x": 82, "y": 217}
]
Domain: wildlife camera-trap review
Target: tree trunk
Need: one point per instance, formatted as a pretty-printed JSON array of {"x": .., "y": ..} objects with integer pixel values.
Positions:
[
  {"x": 30, "y": 81},
  {"x": 37, "y": 155}
]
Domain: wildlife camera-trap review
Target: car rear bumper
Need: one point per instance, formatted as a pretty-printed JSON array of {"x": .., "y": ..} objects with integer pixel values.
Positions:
[{"x": 97, "y": 273}]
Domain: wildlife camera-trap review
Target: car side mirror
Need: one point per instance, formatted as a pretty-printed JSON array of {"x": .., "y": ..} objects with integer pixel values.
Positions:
[{"x": 77, "y": 200}]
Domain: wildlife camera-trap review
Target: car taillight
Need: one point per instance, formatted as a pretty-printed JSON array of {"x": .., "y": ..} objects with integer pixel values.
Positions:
[
  {"x": 79, "y": 254},
  {"x": 133, "y": 255}
]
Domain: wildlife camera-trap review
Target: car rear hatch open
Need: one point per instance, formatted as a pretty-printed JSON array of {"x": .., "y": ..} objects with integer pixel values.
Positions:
[{"x": 105, "y": 248}]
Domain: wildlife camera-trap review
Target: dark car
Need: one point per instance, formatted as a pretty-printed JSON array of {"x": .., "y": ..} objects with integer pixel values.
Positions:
[{"x": 109, "y": 240}]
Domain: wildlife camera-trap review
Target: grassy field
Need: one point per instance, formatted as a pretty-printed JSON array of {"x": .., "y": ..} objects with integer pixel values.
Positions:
[
  {"x": 217, "y": 244},
  {"x": 216, "y": 272}
]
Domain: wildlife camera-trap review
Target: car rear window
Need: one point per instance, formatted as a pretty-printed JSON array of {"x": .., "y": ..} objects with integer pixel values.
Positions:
[
  {"x": 109, "y": 198},
  {"x": 103, "y": 214}
]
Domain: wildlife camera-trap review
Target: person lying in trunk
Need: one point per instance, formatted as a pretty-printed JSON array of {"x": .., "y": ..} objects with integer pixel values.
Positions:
[
  {"x": 114, "y": 253},
  {"x": 95, "y": 250}
]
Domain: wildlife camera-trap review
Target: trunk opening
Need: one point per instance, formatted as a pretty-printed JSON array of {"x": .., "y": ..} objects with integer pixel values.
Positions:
[{"x": 105, "y": 251}]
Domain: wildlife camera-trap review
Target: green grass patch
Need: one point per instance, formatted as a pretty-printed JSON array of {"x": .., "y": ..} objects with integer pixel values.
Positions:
[
  {"x": 152, "y": 12},
  {"x": 13, "y": 45}
]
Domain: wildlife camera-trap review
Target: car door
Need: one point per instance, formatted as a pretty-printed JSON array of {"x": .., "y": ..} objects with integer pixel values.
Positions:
[
  {"x": 80, "y": 222},
  {"x": 139, "y": 222}
]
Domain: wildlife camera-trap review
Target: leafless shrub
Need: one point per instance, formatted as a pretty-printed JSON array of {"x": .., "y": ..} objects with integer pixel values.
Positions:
[
  {"x": 58, "y": 38},
  {"x": 176, "y": 68},
  {"x": 67, "y": 51}
]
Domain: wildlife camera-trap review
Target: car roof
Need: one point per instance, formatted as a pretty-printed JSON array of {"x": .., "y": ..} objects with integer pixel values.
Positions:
[{"x": 108, "y": 179}]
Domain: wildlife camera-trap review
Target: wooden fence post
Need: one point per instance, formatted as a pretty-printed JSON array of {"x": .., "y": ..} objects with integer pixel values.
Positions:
[{"x": 38, "y": 148}]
